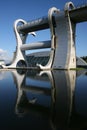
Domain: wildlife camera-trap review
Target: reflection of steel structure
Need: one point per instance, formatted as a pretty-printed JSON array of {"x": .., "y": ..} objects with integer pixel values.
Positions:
[
  {"x": 62, "y": 43},
  {"x": 59, "y": 86}
]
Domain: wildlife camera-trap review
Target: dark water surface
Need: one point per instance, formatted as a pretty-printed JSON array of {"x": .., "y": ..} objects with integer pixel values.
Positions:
[{"x": 43, "y": 100}]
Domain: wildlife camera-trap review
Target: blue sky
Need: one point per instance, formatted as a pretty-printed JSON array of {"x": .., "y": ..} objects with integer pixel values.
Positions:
[{"x": 11, "y": 10}]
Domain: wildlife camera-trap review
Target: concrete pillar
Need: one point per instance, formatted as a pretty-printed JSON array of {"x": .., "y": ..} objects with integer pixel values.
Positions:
[
  {"x": 65, "y": 51},
  {"x": 20, "y": 38}
]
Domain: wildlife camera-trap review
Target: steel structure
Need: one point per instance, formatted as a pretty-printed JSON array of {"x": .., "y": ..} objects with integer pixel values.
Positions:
[{"x": 62, "y": 25}]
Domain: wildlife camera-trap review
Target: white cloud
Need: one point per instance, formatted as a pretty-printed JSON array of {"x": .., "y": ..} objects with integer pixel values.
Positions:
[
  {"x": 2, "y": 75},
  {"x": 4, "y": 55}
]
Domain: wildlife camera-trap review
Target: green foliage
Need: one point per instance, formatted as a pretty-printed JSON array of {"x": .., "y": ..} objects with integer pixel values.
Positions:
[{"x": 84, "y": 58}]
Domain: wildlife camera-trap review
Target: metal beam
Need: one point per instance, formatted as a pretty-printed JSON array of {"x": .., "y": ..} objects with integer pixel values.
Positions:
[
  {"x": 38, "y": 24},
  {"x": 77, "y": 15},
  {"x": 37, "y": 45}
]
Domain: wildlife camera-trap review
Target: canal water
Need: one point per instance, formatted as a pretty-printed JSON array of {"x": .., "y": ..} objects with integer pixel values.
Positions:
[{"x": 43, "y": 100}]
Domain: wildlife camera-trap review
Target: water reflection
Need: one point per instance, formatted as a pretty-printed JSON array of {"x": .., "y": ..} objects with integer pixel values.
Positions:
[{"x": 57, "y": 98}]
